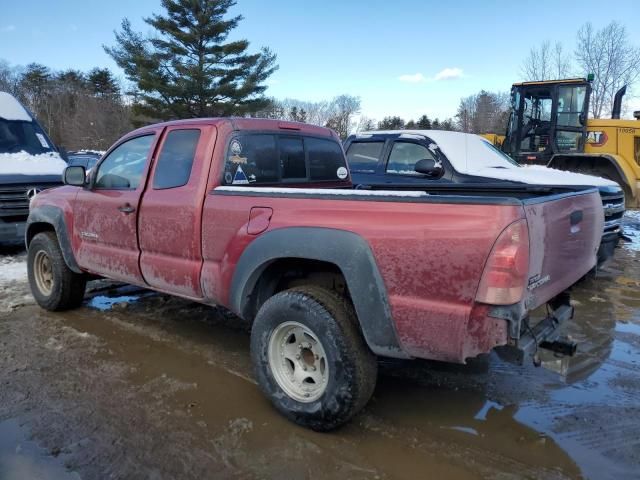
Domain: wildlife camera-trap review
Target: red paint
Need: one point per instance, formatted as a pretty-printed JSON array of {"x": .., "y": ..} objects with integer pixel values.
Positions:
[
  {"x": 259, "y": 218},
  {"x": 431, "y": 256}
]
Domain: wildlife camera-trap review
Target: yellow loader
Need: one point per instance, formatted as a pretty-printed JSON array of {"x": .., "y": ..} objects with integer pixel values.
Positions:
[{"x": 549, "y": 125}]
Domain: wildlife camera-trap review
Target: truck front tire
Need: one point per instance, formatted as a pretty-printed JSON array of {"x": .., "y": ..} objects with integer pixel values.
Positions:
[
  {"x": 54, "y": 286},
  {"x": 311, "y": 359}
]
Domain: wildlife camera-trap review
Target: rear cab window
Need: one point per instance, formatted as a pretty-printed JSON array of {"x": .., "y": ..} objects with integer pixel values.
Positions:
[
  {"x": 363, "y": 157},
  {"x": 267, "y": 159}
]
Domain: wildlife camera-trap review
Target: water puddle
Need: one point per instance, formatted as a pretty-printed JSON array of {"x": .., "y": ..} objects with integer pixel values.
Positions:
[{"x": 22, "y": 459}]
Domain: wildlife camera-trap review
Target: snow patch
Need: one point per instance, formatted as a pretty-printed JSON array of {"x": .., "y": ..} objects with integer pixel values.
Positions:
[
  {"x": 10, "y": 109},
  {"x": 324, "y": 191},
  {"x": 12, "y": 270},
  {"x": 23, "y": 163},
  {"x": 539, "y": 175},
  {"x": 88, "y": 150}
]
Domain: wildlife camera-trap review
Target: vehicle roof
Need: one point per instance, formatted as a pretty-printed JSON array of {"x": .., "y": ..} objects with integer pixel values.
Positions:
[
  {"x": 455, "y": 145},
  {"x": 552, "y": 82},
  {"x": 12, "y": 109},
  {"x": 241, "y": 123},
  {"x": 474, "y": 155}
]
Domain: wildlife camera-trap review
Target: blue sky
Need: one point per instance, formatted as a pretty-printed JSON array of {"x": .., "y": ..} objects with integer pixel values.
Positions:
[{"x": 402, "y": 58}]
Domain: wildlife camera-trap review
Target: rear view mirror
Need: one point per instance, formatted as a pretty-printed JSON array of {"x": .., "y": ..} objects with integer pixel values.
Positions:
[
  {"x": 74, "y": 175},
  {"x": 429, "y": 167}
]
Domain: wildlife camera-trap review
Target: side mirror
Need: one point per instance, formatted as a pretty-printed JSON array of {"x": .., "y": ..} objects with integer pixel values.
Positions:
[
  {"x": 74, "y": 175},
  {"x": 429, "y": 167}
]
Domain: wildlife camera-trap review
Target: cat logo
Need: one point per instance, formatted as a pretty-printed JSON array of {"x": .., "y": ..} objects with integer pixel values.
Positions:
[{"x": 596, "y": 139}]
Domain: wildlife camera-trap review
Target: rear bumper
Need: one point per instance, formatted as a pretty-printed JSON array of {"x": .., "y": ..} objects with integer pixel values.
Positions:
[
  {"x": 12, "y": 233},
  {"x": 544, "y": 334}
]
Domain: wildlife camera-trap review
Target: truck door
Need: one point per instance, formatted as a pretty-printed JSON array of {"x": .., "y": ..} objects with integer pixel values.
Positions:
[
  {"x": 170, "y": 219},
  {"x": 105, "y": 214}
]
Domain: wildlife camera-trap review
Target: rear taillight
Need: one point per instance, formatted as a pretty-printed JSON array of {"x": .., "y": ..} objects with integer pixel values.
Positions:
[{"x": 505, "y": 274}]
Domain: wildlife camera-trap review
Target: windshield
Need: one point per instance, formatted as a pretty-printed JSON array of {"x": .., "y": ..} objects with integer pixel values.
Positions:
[
  {"x": 17, "y": 136},
  {"x": 501, "y": 154}
]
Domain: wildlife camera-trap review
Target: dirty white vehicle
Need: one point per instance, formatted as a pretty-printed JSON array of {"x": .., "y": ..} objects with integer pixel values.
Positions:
[{"x": 29, "y": 163}]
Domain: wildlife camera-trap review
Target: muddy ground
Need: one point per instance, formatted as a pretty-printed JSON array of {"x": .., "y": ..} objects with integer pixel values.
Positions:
[{"x": 140, "y": 385}]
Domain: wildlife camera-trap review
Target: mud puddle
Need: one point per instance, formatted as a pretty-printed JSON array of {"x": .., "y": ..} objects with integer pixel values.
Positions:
[
  {"x": 22, "y": 459},
  {"x": 139, "y": 385}
]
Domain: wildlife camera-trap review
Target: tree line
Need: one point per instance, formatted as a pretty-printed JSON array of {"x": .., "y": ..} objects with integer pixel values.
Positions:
[{"x": 77, "y": 109}]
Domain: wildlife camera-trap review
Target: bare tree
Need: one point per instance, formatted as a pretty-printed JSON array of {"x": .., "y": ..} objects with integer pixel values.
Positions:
[
  {"x": 485, "y": 112},
  {"x": 365, "y": 124},
  {"x": 608, "y": 55},
  {"x": 345, "y": 107},
  {"x": 545, "y": 63},
  {"x": 561, "y": 62}
]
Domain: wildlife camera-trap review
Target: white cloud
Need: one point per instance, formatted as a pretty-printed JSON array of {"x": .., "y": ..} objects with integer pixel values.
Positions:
[
  {"x": 449, "y": 74},
  {"x": 7, "y": 28},
  {"x": 415, "y": 78}
]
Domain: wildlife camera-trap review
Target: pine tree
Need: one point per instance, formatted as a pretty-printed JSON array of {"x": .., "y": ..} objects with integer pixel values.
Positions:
[
  {"x": 424, "y": 123},
  {"x": 188, "y": 69},
  {"x": 391, "y": 123},
  {"x": 411, "y": 125},
  {"x": 102, "y": 82}
]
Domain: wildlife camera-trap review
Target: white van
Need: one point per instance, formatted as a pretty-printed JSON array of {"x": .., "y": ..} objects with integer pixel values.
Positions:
[{"x": 29, "y": 163}]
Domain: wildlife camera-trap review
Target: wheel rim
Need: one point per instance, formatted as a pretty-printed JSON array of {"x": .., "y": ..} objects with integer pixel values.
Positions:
[
  {"x": 298, "y": 361},
  {"x": 43, "y": 272}
]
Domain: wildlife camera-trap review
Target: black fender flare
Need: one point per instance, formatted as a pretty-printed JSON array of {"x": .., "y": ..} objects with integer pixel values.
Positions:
[
  {"x": 349, "y": 252},
  {"x": 53, "y": 216}
]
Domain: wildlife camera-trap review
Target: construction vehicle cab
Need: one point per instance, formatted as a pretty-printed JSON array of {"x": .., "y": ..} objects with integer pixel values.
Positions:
[
  {"x": 549, "y": 125},
  {"x": 547, "y": 118}
]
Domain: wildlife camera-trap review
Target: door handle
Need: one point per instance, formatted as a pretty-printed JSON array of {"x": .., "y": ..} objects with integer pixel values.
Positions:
[{"x": 126, "y": 209}]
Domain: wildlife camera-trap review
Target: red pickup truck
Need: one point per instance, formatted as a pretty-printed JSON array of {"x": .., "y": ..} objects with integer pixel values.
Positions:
[{"x": 260, "y": 216}]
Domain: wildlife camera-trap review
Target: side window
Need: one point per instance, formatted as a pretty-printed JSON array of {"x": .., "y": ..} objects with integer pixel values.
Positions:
[
  {"x": 405, "y": 155},
  {"x": 292, "y": 158},
  {"x": 326, "y": 160},
  {"x": 251, "y": 159},
  {"x": 364, "y": 156},
  {"x": 123, "y": 167},
  {"x": 176, "y": 159}
]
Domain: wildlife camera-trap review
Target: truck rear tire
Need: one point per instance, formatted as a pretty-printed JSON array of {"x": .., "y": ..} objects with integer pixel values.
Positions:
[
  {"x": 311, "y": 359},
  {"x": 54, "y": 286}
]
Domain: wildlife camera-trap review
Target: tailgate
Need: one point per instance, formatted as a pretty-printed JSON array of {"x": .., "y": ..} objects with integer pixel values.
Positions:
[{"x": 564, "y": 236}]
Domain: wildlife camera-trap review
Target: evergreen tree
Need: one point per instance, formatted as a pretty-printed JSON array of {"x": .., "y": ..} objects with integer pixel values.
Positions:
[
  {"x": 411, "y": 125},
  {"x": 103, "y": 82},
  {"x": 436, "y": 125},
  {"x": 391, "y": 123},
  {"x": 424, "y": 123},
  {"x": 188, "y": 68},
  {"x": 35, "y": 78}
]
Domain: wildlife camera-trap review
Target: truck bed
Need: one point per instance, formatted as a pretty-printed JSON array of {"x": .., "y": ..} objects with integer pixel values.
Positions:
[{"x": 430, "y": 249}]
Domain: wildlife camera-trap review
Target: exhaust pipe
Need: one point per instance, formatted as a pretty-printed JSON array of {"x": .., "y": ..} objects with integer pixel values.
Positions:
[{"x": 617, "y": 103}]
